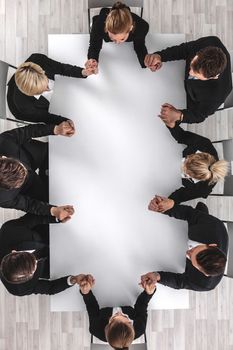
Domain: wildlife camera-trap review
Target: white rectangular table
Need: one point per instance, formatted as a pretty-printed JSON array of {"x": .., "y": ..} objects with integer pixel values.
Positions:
[{"x": 121, "y": 155}]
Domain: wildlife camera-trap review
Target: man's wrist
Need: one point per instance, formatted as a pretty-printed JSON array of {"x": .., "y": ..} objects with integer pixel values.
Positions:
[
  {"x": 84, "y": 73},
  {"x": 71, "y": 280}
]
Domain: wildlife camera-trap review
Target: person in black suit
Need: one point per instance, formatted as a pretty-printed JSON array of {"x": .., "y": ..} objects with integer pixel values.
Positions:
[
  {"x": 31, "y": 87},
  {"x": 208, "y": 246},
  {"x": 20, "y": 186},
  {"x": 119, "y": 25},
  {"x": 208, "y": 78},
  {"x": 201, "y": 168},
  {"x": 117, "y": 326},
  {"x": 24, "y": 257}
]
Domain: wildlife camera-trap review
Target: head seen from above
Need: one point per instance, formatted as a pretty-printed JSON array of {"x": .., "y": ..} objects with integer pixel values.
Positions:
[
  {"x": 119, "y": 331},
  {"x": 208, "y": 63},
  {"x": 203, "y": 166},
  {"x": 119, "y": 23},
  {"x": 208, "y": 259},
  {"x": 31, "y": 79},
  {"x": 18, "y": 267},
  {"x": 12, "y": 173}
]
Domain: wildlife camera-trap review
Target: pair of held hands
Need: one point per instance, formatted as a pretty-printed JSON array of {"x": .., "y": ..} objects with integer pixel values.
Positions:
[{"x": 86, "y": 282}]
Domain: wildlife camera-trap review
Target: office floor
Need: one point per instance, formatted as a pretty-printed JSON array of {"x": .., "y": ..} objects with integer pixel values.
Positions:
[{"x": 26, "y": 323}]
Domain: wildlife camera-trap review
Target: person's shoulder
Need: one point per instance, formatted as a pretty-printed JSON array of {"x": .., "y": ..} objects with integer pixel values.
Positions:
[
  {"x": 35, "y": 57},
  {"x": 140, "y": 24},
  {"x": 209, "y": 41},
  {"x": 104, "y": 12}
]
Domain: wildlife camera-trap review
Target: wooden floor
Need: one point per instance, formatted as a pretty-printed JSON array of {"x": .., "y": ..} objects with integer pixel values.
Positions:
[{"x": 26, "y": 323}]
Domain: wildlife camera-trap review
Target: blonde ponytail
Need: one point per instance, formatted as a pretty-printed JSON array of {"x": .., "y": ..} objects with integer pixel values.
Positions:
[
  {"x": 203, "y": 166},
  {"x": 119, "y": 19},
  {"x": 219, "y": 170}
]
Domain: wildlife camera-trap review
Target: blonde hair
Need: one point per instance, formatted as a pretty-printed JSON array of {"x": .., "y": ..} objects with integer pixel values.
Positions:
[
  {"x": 31, "y": 79},
  {"x": 119, "y": 19},
  {"x": 119, "y": 334},
  {"x": 203, "y": 166}
]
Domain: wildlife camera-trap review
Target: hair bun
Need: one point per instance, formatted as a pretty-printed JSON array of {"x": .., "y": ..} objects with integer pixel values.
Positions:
[{"x": 119, "y": 6}]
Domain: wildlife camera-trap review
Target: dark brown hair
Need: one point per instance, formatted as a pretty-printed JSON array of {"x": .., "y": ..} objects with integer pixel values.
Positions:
[
  {"x": 18, "y": 267},
  {"x": 119, "y": 334},
  {"x": 12, "y": 173},
  {"x": 211, "y": 61},
  {"x": 119, "y": 20},
  {"x": 212, "y": 261}
]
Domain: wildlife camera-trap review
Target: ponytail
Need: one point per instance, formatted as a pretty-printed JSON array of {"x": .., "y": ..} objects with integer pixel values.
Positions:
[
  {"x": 203, "y": 166},
  {"x": 218, "y": 170},
  {"x": 119, "y": 20}
]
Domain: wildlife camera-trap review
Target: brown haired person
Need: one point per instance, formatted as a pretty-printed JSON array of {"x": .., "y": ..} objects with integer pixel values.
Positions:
[
  {"x": 208, "y": 79},
  {"x": 119, "y": 25},
  {"x": 31, "y": 87},
  {"x": 20, "y": 156},
  {"x": 206, "y": 256},
  {"x": 117, "y": 326},
  {"x": 24, "y": 257},
  {"x": 201, "y": 168}
]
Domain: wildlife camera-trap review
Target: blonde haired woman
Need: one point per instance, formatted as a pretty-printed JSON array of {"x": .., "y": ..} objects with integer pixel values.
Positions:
[
  {"x": 201, "y": 168},
  {"x": 117, "y": 24},
  {"x": 31, "y": 87},
  {"x": 117, "y": 326}
]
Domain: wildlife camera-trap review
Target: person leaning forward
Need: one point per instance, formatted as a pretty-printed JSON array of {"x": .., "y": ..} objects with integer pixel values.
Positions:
[
  {"x": 208, "y": 78},
  {"x": 31, "y": 87},
  {"x": 24, "y": 257},
  {"x": 207, "y": 254},
  {"x": 20, "y": 186}
]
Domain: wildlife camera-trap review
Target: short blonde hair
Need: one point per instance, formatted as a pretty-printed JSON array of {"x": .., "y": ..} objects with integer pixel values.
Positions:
[
  {"x": 119, "y": 20},
  {"x": 203, "y": 166},
  {"x": 31, "y": 79},
  {"x": 119, "y": 335}
]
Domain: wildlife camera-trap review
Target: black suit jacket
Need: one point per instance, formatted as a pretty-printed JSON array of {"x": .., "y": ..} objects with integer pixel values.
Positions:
[
  {"x": 99, "y": 318},
  {"x": 203, "y": 97},
  {"x": 194, "y": 142},
  {"x": 203, "y": 228},
  {"x": 18, "y": 144},
  {"x": 28, "y": 233},
  {"x": 28, "y": 108},
  {"x": 98, "y": 34}
]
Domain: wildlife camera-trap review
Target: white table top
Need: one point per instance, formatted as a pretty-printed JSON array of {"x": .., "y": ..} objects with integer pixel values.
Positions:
[{"x": 120, "y": 157}]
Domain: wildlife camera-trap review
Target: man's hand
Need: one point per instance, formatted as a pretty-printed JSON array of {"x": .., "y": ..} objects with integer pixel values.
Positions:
[
  {"x": 62, "y": 213},
  {"x": 150, "y": 278},
  {"x": 91, "y": 65},
  {"x": 86, "y": 282},
  {"x": 153, "y": 62},
  {"x": 169, "y": 114},
  {"x": 161, "y": 204},
  {"x": 65, "y": 129},
  {"x": 149, "y": 287}
]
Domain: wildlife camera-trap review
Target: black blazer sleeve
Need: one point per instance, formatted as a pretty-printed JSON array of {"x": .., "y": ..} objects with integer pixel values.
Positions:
[
  {"x": 194, "y": 142},
  {"x": 54, "y": 67},
  {"x": 50, "y": 287},
  {"x": 30, "y": 221},
  {"x": 197, "y": 112},
  {"x": 27, "y": 204},
  {"x": 141, "y": 30},
  {"x": 96, "y": 35},
  {"x": 173, "y": 280},
  {"x": 25, "y": 134},
  {"x": 189, "y": 214},
  {"x": 92, "y": 306},
  {"x": 140, "y": 308},
  {"x": 188, "y": 49}
]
